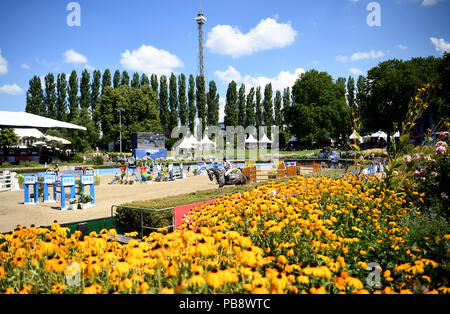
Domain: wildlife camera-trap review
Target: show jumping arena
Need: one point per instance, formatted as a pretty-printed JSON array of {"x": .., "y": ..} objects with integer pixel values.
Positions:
[{"x": 14, "y": 212}]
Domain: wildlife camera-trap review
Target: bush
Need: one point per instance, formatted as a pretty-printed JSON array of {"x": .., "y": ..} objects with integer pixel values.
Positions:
[
  {"x": 97, "y": 160},
  {"x": 77, "y": 159}
]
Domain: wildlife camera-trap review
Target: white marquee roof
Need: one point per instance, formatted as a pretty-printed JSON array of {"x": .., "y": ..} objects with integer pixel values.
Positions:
[
  {"x": 10, "y": 119},
  {"x": 29, "y": 133}
]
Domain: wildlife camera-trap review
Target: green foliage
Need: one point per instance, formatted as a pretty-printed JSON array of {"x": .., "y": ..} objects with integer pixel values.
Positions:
[
  {"x": 125, "y": 81},
  {"x": 163, "y": 103},
  {"x": 61, "y": 101},
  {"x": 50, "y": 95},
  {"x": 106, "y": 79},
  {"x": 116, "y": 80},
  {"x": 318, "y": 108},
  {"x": 8, "y": 138},
  {"x": 73, "y": 96},
  {"x": 182, "y": 100},
  {"x": 201, "y": 100},
  {"x": 76, "y": 159},
  {"x": 268, "y": 108},
  {"x": 191, "y": 99},
  {"x": 173, "y": 102},
  {"x": 231, "y": 111},
  {"x": 258, "y": 109},
  {"x": 212, "y": 101},
  {"x": 140, "y": 113},
  {"x": 250, "y": 109},
  {"x": 241, "y": 105},
  {"x": 277, "y": 109},
  {"x": 129, "y": 219},
  {"x": 35, "y": 97}
]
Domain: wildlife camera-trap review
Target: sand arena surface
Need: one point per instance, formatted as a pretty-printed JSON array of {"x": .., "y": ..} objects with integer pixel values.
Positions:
[{"x": 13, "y": 212}]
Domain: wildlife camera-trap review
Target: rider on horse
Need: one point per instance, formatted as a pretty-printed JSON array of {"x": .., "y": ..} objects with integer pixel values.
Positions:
[{"x": 228, "y": 167}]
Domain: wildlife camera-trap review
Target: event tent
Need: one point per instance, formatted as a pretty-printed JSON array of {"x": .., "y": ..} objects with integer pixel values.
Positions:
[
  {"x": 355, "y": 137},
  {"x": 207, "y": 143},
  {"x": 265, "y": 140},
  {"x": 10, "y": 119},
  {"x": 58, "y": 140}
]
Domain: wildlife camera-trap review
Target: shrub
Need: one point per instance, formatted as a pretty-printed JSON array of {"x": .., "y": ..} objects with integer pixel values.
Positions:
[
  {"x": 129, "y": 219},
  {"x": 77, "y": 159}
]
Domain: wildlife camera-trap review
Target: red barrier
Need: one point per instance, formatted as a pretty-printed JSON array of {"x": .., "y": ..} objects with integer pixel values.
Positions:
[{"x": 181, "y": 211}]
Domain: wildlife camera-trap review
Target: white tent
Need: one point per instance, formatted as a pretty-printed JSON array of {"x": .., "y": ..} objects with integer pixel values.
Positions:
[
  {"x": 9, "y": 119},
  {"x": 29, "y": 133},
  {"x": 207, "y": 143},
  {"x": 59, "y": 140},
  {"x": 355, "y": 137},
  {"x": 265, "y": 140},
  {"x": 185, "y": 144},
  {"x": 194, "y": 141},
  {"x": 251, "y": 140},
  {"x": 379, "y": 134}
]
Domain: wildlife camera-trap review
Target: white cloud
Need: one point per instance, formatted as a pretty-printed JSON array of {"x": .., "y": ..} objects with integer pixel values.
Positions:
[
  {"x": 150, "y": 60},
  {"x": 279, "y": 82},
  {"x": 361, "y": 56},
  {"x": 402, "y": 47},
  {"x": 25, "y": 66},
  {"x": 13, "y": 89},
  {"x": 268, "y": 34},
  {"x": 74, "y": 57},
  {"x": 429, "y": 2},
  {"x": 356, "y": 71},
  {"x": 440, "y": 44},
  {"x": 3, "y": 64}
]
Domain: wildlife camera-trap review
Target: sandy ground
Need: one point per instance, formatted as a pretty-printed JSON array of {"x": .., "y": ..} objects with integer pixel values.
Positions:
[{"x": 13, "y": 212}]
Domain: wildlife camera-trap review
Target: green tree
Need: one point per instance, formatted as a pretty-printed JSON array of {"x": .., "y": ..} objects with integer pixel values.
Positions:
[
  {"x": 85, "y": 92},
  {"x": 258, "y": 110},
  {"x": 125, "y": 79},
  {"x": 8, "y": 138},
  {"x": 389, "y": 88},
  {"x": 277, "y": 109},
  {"x": 212, "y": 101},
  {"x": 191, "y": 103},
  {"x": 73, "y": 96},
  {"x": 164, "y": 103},
  {"x": 154, "y": 83},
  {"x": 95, "y": 94},
  {"x": 173, "y": 102},
  {"x": 231, "y": 105},
  {"x": 140, "y": 113},
  {"x": 268, "y": 108},
  {"x": 144, "y": 80},
  {"x": 286, "y": 104},
  {"x": 318, "y": 107},
  {"x": 136, "y": 81},
  {"x": 182, "y": 100},
  {"x": 116, "y": 80},
  {"x": 241, "y": 105},
  {"x": 106, "y": 79},
  {"x": 351, "y": 101},
  {"x": 201, "y": 100},
  {"x": 61, "y": 101},
  {"x": 50, "y": 95},
  {"x": 250, "y": 108}
]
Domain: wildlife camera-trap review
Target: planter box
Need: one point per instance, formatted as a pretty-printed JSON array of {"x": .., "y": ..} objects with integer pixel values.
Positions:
[{"x": 72, "y": 206}]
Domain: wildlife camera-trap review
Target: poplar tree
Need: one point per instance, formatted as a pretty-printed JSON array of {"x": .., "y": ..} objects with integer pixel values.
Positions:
[
  {"x": 191, "y": 99},
  {"x": 277, "y": 109},
  {"x": 212, "y": 101},
  {"x": 35, "y": 96},
  {"x": 136, "y": 81},
  {"x": 125, "y": 79},
  {"x": 230, "y": 105},
  {"x": 351, "y": 92},
  {"x": 268, "y": 108},
  {"x": 50, "y": 96},
  {"x": 61, "y": 102},
  {"x": 85, "y": 98},
  {"x": 116, "y": 81},
  {"x": 154, "y": 82},
  {"x": 201, "y": 100},
  {"x": 73, "y": 95},
  {"x": 182, "y": 100},
  {"x": 144, "y": 80},
  {"x": 286, "y": 104},
  {"x": 163, "y": 103},
  {"x": 106, "y": 80},
  {"x": 258, "y": 109},
  {"x": 95, "y": 94},
  {"x": 241, "y": 105},
  {"x": 173, "y": 102},
  {"x": 250, "y": 108}
]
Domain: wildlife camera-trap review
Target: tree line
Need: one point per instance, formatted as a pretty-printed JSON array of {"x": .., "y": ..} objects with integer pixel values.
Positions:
[
  {"x": 146, "y": 104},
  {"x": 315, "y": 109}
]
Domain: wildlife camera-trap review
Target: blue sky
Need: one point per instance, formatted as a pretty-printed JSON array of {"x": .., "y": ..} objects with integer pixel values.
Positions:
[{"x": 250, "y": 41}]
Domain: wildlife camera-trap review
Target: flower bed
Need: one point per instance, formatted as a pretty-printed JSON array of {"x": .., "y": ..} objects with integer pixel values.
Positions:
[{"x": 309, "y": 235}]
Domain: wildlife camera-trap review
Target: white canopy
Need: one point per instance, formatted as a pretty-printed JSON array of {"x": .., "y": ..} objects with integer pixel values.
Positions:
[
  {"x": 265, "y": 140},
  {"x": 355, "y": 137},
  {"x": 29, "y": 133},
  {"x": 185, "y": 144},
  {"x": 251, "y": 139},
  {"x": 379, "y": 134},
  {"x": 9, "y": 119},
  {"x": 194, "y": 141},
  {"x": 206, "y": 142},
  {"x": 49, "y": 138}
]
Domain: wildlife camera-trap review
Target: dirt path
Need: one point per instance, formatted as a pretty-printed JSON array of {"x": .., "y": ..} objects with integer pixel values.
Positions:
[{"x": 13, "y": 212}]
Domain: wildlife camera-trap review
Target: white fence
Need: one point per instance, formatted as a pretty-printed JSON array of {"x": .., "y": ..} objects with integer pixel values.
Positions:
[{"x": 5, "y": 181}]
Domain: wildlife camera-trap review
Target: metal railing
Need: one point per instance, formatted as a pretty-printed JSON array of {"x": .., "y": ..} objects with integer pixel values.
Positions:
[{"x": 142, "y": 211}]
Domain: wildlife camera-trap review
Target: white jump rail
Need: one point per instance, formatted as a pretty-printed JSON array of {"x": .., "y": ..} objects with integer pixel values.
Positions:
[{"x": 5, "y": 181}]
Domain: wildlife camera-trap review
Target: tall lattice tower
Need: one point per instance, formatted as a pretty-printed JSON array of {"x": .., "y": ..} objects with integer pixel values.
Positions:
[{"x": 201, "y": 20}]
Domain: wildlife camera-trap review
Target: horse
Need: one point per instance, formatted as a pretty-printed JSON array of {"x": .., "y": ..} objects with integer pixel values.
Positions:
[{"x": 232, "y": 179}]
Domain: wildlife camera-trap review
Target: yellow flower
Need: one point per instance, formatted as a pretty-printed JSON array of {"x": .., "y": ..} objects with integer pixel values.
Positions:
[
  {"x": 167, "y": 291},
  {"x": 58, "y": 288}
]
